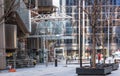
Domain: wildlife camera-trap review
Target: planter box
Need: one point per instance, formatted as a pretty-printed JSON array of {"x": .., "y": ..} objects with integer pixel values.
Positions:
[
  {"x": 94, "y": 71},
  {"x": 115, "y": 66}
]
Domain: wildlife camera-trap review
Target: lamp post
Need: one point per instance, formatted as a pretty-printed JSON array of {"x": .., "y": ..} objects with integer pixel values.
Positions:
[
  {"x": 79, "y": 44},
  {"x": 83, "y": 27},
  {"x": 108, "y": 37},
  {"x": 108, "y": 32}
]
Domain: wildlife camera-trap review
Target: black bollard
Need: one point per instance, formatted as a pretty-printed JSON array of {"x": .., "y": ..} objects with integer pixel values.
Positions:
[{"x": 55, "y": 62}]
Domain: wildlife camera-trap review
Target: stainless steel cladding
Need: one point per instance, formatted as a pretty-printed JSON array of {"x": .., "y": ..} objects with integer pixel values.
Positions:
[
  {"x": 2, "y": 38},
  {"x": 11, "y": 36},
  {"x": 46, "y": 2},
  {"x": 32, "y": 43}
]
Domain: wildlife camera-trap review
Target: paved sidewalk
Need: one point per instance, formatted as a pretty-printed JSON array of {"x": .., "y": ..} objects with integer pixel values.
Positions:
[
  {"x": 50, "y": 70},
  {"x": 42, "y": 70}
]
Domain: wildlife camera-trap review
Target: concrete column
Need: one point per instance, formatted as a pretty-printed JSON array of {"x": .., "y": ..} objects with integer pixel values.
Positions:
[{"x": 2, "y": 38}]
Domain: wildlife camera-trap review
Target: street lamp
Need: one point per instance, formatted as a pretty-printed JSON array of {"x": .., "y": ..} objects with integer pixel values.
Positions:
[
  {"x": 79, "y": 44},
  {"x": 108, "y": 32}
]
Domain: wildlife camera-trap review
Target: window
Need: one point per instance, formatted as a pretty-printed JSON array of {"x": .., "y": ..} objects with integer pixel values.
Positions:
[
  {"x": 89, "y": 30},
  {"x": 68, "y": 41},
  {"x": 68, "y": 29},
  {"x": 115, "y": 39},
  {"x": 89, "y": 40},
  {"x": 75, "y": 41},
  {"x": 105, "y": 30},
  {"x": 61, "y": 2},
  {"x": 76, "y": 16}
]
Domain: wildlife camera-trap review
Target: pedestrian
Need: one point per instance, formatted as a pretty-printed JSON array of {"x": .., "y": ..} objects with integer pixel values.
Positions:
[{"x": 99, "y": 57}]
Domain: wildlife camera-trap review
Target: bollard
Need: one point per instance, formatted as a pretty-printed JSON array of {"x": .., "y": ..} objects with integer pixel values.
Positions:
[
  {"x": 55, "y": 62},
  {"x": 66, "y": 62}
]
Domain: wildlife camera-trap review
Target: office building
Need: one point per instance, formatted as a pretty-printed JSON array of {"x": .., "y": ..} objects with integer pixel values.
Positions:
[{"x": 107, "y": 33}]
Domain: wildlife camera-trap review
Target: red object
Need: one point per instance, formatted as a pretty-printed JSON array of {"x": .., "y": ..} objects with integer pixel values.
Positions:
[
  {"x": 99, "y": 56},
  {"x": 12, "y": 70}
]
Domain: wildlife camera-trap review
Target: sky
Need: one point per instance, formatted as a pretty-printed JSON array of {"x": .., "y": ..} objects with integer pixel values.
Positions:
[
  {"x": 56, "y": 3},
  {"x": 118, "y": 2}
]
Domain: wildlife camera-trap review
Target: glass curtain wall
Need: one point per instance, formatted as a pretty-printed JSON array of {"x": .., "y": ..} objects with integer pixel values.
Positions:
[{"x": 108, "y": 17}]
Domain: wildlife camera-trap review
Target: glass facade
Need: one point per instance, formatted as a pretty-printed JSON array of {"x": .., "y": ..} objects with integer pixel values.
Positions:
[
  {"x": 70, "y": 7},
  {"x": 106, "y": 26},
  {"x": 71, "y": 10},
  {"x": 48, "y": 27},
  {"x": 108, "y": 14}
]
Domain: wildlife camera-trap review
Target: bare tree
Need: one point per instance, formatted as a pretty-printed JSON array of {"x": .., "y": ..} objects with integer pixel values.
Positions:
[{"x": 94, "y": 11}]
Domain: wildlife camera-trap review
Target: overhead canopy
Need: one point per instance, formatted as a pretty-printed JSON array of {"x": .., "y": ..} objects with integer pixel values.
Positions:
[
  {"x": 40, "y": 17},
  {"x": 51, "y": 37},
  {"x": 48, "y": 26}
]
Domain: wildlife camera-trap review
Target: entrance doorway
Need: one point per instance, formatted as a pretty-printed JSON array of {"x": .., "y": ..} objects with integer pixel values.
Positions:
[{"x": 59, "y": 53}]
